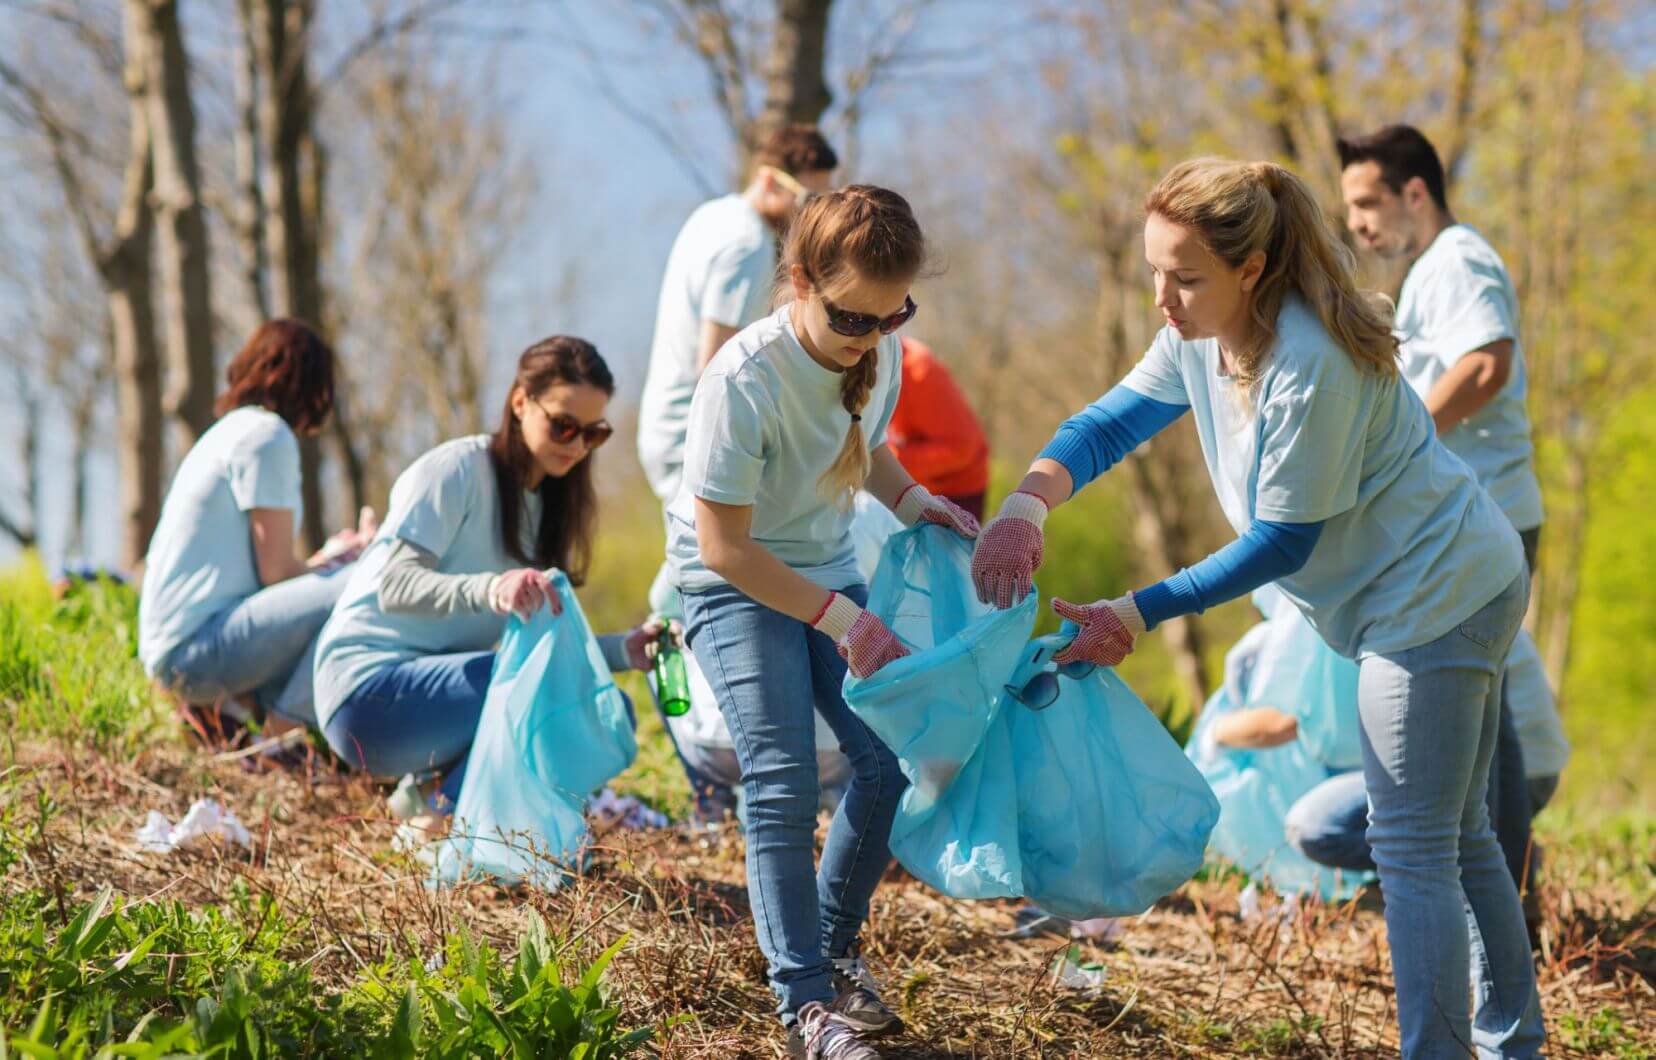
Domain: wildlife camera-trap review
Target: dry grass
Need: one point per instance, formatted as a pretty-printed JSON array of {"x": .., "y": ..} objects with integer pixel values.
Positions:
[{"x": 1189, "y": 978}]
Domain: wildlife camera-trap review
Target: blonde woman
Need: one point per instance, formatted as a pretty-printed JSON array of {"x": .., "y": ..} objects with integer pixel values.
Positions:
[
  {"x": 1327, "y": 466},
  {"x": 788, "y": 421}
]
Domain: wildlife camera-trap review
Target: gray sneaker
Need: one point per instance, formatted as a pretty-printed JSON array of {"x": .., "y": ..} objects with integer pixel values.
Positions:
[
  {"x": 857, "y": 998},
  {"x": 818, "y": 1034}
]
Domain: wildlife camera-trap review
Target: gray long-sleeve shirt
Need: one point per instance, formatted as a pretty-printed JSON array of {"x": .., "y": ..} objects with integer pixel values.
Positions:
[{"x": 411, "y": 584}]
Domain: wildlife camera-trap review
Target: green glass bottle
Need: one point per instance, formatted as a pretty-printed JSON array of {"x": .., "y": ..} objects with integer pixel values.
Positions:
[{"x": 672, "y": 683}]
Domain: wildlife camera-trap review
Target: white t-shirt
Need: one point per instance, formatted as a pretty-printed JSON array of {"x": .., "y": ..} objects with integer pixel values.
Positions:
[
  {"x": 1458, "y": 298},
  {"x": 1410, "y": 546},
  {"x": 200, "y": 559},
  {"x": 448, "y": 504},
  {"x": 721, "y": 269},
  {"x": 766, "y": 422}
]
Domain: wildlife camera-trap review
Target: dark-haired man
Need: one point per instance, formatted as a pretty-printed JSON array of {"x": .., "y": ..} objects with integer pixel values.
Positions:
[{"x": 1457, "y": 325}]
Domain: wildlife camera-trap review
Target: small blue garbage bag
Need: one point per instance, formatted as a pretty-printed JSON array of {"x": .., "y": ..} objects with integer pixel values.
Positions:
[
  {"x": 1086, "y": 807},
  {"x": 554, "y": 729},
  {"x": 1257, "y": 787}
]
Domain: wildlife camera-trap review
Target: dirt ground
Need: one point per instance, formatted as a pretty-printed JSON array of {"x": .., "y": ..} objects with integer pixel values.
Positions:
[{"x": 1188, "y": 978}]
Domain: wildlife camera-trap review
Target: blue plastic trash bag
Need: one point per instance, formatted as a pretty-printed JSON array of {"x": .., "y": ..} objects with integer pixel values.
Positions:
[
  {"x": 554, "y": 729},
  {"x": 1257, "y": 787},
  {"x": 1296, "y": 672},
  {"x": 1086, "y": 807}
]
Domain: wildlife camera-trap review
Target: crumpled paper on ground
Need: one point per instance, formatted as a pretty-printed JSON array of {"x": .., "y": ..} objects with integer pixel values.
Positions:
[
  {"x": 204, "y": 818},
  {"x": 609, "y": 810}
]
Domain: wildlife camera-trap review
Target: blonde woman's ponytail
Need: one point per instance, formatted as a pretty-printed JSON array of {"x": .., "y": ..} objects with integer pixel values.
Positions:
[{"x": 840, "y": 482}]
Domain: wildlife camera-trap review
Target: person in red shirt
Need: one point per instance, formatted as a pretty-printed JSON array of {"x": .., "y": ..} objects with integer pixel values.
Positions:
[{"x": 935, "y": 434}]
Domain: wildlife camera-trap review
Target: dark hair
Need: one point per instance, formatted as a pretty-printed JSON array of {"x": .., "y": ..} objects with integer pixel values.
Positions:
[
  {"x": 795, "y": 149},
  {"x": 1402, "y": 152},
  {"x": 284, "y": 367},
  {"x": 569, "y": 505}
]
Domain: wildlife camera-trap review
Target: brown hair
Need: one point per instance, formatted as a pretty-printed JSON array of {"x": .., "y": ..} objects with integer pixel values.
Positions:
[
  {"x": 284, "y": 367},
  {"x": 1402, "y": 152},
  {"x": 1237, "y": 208},
  {"x": 569, "y": 505},
  {"x": 796, "y": 148},
  {"x": 872, "y": 233}
]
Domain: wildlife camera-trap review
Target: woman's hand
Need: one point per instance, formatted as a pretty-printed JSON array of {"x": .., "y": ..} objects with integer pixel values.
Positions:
[
  {"x": 347, "y": 544},
  {"x": 521, "y": 592},
  {"x": 1009, "y": 551},
  {"x": 1256, "y": 728},
  {"x": 863, "y": 641},
  {"x": 917, "y": 504},
  {"x": 1108, "y": 630},
  {"x": 642, "y": 644}
]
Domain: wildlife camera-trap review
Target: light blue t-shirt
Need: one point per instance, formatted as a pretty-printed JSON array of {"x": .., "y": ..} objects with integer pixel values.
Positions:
[
  {"x": 1411, "y": 545},
  {"x": 200, "y": 559},
  {"x": 1458, "y": 298},
  {"x": 765, "y": 423},
  {"x": 721, "y": 268},
  {"x": 448, "y": 504}
]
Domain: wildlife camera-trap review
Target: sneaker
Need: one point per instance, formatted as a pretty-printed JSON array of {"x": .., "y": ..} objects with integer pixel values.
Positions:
[
  {"x": 818, "y": 1034},
  {"x": 857, "y": 998}
]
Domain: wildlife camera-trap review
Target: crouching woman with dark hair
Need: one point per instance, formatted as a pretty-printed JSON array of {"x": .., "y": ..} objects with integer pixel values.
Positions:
[
  {"x": 404, "y": 662},
  {"x": 226, "y": 607}
]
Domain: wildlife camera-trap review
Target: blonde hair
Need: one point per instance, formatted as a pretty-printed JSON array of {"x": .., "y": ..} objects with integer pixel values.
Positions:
[
  {"x": 870, "y": 233},
  {"x": 1236, "y": 208}
]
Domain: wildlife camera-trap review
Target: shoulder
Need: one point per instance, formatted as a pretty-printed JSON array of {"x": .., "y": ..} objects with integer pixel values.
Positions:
[
  {"x": 1459, "y": 251},
  {"x": 1306, "y": 355},
  {"x": 251, "y": 429},
  {"x": 461, "y": 458},
  {"x": 730, "y": 224},
  {"x": 748, "y": 360}
]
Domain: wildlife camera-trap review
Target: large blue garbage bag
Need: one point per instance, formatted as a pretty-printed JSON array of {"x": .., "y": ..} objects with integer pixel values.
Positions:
[
  {"x": 1086, "y": 807},
  {"x": 554, "y": 728},
  {"x": 1257, "y": 787},
  {"x": 1296, "y": 672}
]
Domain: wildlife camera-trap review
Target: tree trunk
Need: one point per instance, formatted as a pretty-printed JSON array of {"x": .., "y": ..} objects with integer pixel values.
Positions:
[
  {"x": 249, "y": 222},
  {"x": 186, "y": 283},
  {"x": 280, "y": 31},
  {"x": 795, "y": 87}
]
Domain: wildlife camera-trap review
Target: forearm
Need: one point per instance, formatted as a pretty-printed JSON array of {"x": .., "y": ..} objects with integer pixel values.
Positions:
[
  {"x": 614, "y": 647},
  {"x": 752, "y": 568},
  {"x": 410, "y": 584},
  {"x": 887, "y": 478},
  {"x": 1101, "y": 435},
  {"x": 1266, "y": 552},
  {"x": 1470, "y": 383}
]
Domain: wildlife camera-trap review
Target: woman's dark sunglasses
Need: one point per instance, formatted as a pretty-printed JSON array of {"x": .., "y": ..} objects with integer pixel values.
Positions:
[
  {"x": 856, "y": 325},
  {"x": 566, "y": 428}
]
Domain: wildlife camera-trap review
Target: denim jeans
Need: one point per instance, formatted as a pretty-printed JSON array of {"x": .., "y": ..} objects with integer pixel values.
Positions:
[
  {"x": 264, "y": 645},
  {"x": 1329, "y": 823},
  {"x": 414, "y": 717},
  {"x": 1429, "y": 717},
  {"x": 767, "y": 671},
  {"x": 1510, "y": 811}
]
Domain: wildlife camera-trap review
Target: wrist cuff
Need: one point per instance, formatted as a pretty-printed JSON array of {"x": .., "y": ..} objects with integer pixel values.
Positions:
[
  {"x": 1025, "y": 506},
  {"x": 914, "y": 500},
  {"x": 837, "y": 618},
  {"x": 1127, "y": 610}
]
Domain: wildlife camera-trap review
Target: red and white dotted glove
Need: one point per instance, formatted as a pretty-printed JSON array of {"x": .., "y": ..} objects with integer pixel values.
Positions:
[
  {"x": 1108, "y": 630},
  {"x": 1009, "y": 551},
  {"x": 917, "y": 504},
  {"x": 863, "y": 641}
]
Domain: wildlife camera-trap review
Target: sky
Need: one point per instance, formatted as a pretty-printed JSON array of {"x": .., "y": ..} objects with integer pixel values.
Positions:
[{"x": 573, "y": 77}]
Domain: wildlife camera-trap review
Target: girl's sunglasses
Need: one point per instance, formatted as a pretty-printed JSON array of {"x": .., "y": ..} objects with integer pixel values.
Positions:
[
  {"x": 855, "y": 325},
  {"x": 1035, "y": 682},
  {"x": 565, "y": 428}
]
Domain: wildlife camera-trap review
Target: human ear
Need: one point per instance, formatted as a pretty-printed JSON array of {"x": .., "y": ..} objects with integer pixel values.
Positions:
[
  {"x": 801, "y": 282},
  {"x": 1253, "y": 266}
]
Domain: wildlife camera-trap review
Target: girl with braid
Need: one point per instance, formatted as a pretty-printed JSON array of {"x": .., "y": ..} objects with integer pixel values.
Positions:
[{"x": 788, "y": 421}]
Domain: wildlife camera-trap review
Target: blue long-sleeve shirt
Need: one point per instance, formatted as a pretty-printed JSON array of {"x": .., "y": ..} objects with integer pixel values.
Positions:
[{"x": 1101, "y": 435}]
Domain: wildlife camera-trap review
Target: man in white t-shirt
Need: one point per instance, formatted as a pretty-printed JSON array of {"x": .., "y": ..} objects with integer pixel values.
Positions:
[
  {"x": 1457, "y": 327},
  {"x": 718, "y": 280}
]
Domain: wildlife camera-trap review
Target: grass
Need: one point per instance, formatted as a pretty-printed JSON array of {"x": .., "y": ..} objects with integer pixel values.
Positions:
[{"x": 323, "y": 941}]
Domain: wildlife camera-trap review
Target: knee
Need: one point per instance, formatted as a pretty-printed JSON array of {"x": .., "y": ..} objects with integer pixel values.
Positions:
[{"x": 877, "y": 767}]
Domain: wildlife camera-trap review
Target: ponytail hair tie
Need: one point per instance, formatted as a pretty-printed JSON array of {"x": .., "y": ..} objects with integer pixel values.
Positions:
[{"x": 856, "y": 417}]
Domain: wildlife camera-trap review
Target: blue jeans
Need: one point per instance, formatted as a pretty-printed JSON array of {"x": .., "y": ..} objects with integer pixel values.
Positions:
[
  {"x": 1329, "y": 823},
  {"x": 414, "y": 717},
  {"x": 1429, "y": 718},
  {"x": 265, "y": 644},
  {"x": 768, "y": 671}
]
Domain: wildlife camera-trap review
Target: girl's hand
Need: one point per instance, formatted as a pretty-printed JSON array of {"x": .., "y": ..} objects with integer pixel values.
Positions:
[
  {"x": 1256, "y": 727},
  {"x": 521, "y": 592},
  {"x": 347, "y": 544},
  {"x": 863, "y": 641},
  {"x": 643, "y": 643},
  {"x": 917, "y": 504},
  {"x": 1108, "y": 630},
  {"x": 1009, "y": 551}
]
